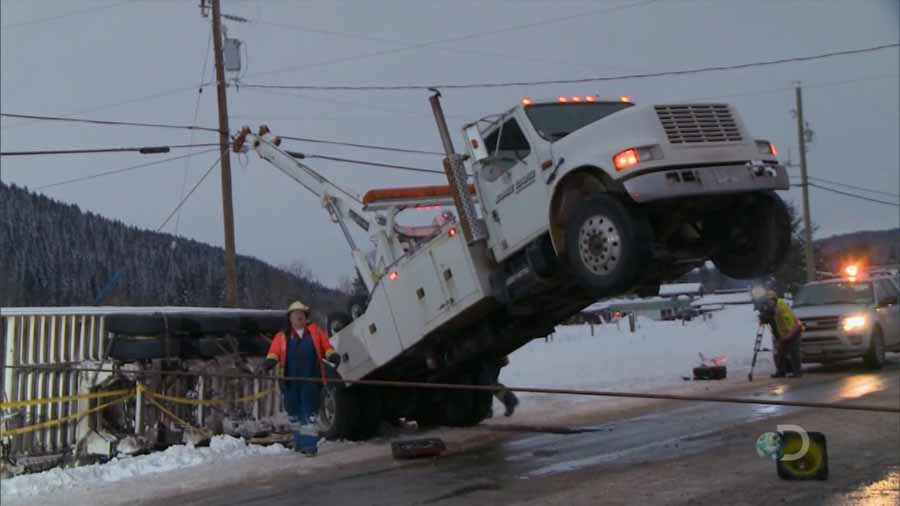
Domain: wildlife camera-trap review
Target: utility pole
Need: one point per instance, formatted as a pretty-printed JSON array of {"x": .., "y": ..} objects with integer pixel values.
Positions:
[
  {"x": 807, "y": 221},
  {"x": 224, "y": 141}
]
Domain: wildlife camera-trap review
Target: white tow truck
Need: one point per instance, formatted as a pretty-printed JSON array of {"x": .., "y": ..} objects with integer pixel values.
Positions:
[{"x": 560, "y": 203}]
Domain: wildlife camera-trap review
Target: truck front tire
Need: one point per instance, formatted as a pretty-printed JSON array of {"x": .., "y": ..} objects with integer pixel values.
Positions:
[
  {"x": 751, "y": 241},
  {"x": 606, "y": 245}
]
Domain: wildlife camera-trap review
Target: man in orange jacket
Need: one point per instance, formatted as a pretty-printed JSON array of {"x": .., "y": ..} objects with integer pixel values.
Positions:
[{"x": 298, "y": 352}]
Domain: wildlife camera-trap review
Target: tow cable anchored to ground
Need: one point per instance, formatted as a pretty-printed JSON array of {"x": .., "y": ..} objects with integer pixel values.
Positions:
[{"x": 490, "y": 388}]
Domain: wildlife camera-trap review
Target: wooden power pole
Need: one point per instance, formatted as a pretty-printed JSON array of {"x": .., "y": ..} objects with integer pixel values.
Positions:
[
  {"x": 807, "y": 221},
  {"x": 225, "y": 148}
]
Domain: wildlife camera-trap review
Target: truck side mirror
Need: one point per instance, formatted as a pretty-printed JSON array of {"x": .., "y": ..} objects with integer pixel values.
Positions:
[{"x": 476, "y": 143}]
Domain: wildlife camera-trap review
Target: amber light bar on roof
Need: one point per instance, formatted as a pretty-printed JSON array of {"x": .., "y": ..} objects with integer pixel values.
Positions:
[{"x": 575, "y": 99}]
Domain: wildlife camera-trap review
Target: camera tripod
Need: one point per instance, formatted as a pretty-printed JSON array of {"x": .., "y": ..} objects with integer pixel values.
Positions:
[{"x": 757, "y": 347}]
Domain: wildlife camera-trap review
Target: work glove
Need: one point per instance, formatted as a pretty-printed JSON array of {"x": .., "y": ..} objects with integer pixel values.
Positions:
[
  {"x": 334, "y": 359},
  {"x": 265, "y": 366}
]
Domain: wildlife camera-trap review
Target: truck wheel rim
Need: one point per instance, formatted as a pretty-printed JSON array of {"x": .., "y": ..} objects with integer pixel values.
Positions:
[
  {"x": 328, "y": 409},
  {"x": 599, "y": 245}
]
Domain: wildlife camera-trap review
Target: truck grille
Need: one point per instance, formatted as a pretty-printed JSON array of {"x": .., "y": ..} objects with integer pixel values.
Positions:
[
  {"x": 696, "y": 123},
  {"x": 821, "y": 340},
  {"x": 821, "y": 323}
]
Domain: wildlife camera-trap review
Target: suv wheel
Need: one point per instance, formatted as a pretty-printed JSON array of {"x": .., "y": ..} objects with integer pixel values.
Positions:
[{"x": 874, "y": 358}]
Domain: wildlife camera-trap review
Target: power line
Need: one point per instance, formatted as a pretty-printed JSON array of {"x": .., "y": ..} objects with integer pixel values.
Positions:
[
  {"x": 364, "y": 146},
  {"x": 646, "y": 75},
  {"x": 847, "y": 194},
  {"x": 145, "y": 150},
  {"x": 65, "y": 15},
  {"x": 126, "y": 169},
  {"x": 186, "y": 197},
  {"x": 827, "y": 84},
  {"x": 845, "y": 185},
  {"x": 207, "y": 129},
  {"x": 822, "y": 180},
  {"x": 171, "y": 91},
  {"x": 365, "y": 162},
  {"x": 860, "y": 197},
  {"x": 108, "y": 122},
  {"x": 543, "y": 22},
  {"x": 187, "y": 161}
]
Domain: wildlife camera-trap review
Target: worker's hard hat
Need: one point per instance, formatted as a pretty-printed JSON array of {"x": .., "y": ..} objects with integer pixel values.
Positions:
[{"x": 298, "y": 306}]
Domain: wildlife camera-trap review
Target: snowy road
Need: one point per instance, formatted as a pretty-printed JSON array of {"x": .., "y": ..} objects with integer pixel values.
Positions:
[{"x": 664, "y": 453}]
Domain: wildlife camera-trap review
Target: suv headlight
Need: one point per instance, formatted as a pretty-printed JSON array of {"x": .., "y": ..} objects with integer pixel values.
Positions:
[{"x": 853, "y": 323}]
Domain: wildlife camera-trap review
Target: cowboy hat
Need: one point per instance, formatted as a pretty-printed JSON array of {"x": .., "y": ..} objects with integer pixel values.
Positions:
[{"x": 298, "y": 306}]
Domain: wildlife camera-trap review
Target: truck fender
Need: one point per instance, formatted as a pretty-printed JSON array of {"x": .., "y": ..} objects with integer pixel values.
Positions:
[{"x": 574, "y": 187}]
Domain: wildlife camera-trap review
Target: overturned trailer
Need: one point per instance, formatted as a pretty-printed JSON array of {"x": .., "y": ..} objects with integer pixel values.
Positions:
[{"x": 70, "y": 380}]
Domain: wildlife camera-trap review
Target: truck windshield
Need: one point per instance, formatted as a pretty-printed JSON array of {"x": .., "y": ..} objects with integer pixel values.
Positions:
[
  {"x": 834, "y": 293},
  {"x": 555, "y": 121}
]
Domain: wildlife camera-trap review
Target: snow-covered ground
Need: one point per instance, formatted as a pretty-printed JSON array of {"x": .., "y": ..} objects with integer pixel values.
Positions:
[
  {"x": 655, "y": 358},
  {"x": 658, "y": 353},
  {"x": 125, "y": 469}
]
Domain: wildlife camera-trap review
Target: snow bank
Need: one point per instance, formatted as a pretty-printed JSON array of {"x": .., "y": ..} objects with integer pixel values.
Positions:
[
  {"x": 658, "y": 354},
  {"x": 16, "y": 490}
]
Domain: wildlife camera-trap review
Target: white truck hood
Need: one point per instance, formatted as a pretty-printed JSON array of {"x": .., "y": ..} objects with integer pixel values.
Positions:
[{"x": 641, "y": 125}]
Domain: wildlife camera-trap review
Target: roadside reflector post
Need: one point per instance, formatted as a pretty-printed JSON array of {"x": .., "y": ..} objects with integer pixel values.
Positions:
[{"x": 456, "y": 176}]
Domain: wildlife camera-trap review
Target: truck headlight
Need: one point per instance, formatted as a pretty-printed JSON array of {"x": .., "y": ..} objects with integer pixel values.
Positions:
[
  {"x": 852, "y": 323},
  {"x": 633, "y": 156}
]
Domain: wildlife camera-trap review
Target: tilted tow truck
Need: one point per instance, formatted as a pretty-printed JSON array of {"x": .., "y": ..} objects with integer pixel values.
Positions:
[{"x": 560, "y": 203}]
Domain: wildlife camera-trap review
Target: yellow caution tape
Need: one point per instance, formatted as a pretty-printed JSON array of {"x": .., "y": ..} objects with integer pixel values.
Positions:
[
  {"x": 207, "y": 402},
  {"x": 175, "y": 417},
  {"x": 67, "y": 398},
  {"x": 127, "y": 394},
  {"x": 59, "y": 421}
]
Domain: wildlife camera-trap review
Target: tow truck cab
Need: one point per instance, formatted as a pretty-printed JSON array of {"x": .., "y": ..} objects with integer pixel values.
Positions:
[
  {"x": 687, "y": 182},
  {"x": 850, "y": 317}
]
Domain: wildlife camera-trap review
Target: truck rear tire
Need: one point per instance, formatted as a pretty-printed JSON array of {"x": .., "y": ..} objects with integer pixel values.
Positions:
[
  {"x": 357, "y": 306},
  {"x": 753, "y": 241},
  {"x": 369, "y": 410},
  {"x": 606, "y": 245},
  {"x": 130, "y": 349},
  {"x": 337, "y": 321}
]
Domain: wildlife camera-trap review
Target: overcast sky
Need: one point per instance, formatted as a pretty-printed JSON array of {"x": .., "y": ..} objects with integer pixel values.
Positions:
[{"x": 142, "y": 61}]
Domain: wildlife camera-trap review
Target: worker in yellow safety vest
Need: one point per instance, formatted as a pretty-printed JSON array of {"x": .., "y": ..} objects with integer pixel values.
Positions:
[{"x": 786, "y": 332}]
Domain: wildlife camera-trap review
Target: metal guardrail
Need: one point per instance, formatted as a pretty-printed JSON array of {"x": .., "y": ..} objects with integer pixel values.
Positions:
[
  {"x": 55, "y": 340},
  {"x": 62, "y": 342}
]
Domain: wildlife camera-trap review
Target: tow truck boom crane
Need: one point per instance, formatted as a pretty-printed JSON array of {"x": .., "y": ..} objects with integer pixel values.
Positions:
[{"x": 340, "y": 204}]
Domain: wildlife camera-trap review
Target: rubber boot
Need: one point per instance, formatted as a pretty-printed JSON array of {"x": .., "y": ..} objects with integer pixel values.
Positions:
[{"x": 510, "y": 401}]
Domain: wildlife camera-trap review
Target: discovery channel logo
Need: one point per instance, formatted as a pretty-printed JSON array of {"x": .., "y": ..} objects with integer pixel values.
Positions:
[
  {"x": 771, "y": 445},
  {"x": 798, "y": 454}
]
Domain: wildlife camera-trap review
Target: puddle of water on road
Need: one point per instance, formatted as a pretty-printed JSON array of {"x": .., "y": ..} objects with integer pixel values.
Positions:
[{"x": 679, "y": 446}]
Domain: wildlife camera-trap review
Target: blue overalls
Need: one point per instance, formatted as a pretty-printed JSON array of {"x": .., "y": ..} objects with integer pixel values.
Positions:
[{"x": 301, "y": 398}]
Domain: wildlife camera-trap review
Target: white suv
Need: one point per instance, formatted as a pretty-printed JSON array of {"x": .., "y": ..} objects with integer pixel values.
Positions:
[{"x": 846, "y": 319}]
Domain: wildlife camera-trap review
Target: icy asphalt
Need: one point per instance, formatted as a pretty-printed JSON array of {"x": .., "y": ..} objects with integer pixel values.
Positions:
[{"x": 663, "y": 453}]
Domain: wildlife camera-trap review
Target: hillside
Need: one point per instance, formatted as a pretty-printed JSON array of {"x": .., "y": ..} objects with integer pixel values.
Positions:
[
  {"x": 878, "y": 247},
  {"x": 54, "y": 254}
]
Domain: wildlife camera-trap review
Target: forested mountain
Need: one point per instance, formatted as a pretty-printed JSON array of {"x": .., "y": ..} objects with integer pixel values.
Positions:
[{"x": 53, "y": 254}]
